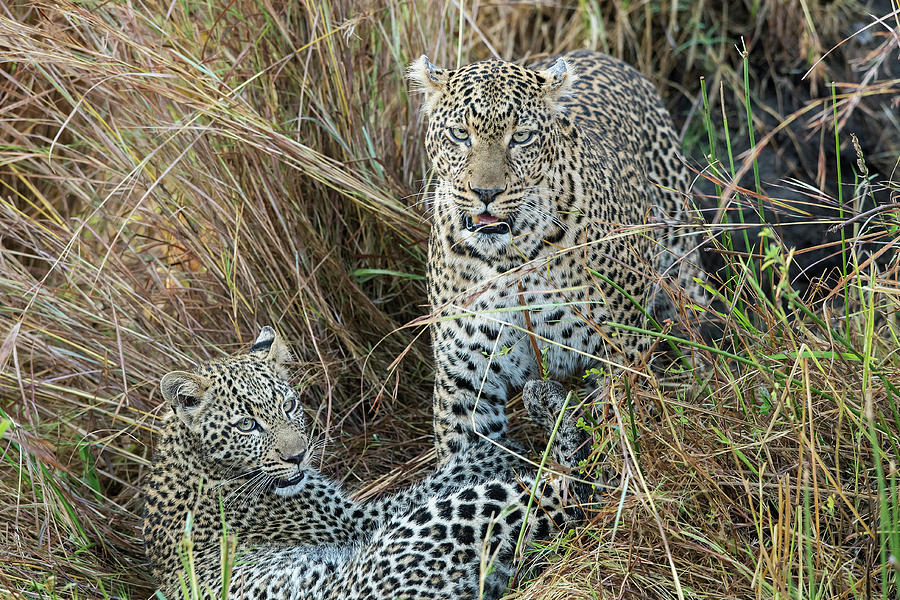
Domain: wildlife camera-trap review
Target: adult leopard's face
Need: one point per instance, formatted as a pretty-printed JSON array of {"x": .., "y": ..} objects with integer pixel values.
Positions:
[
  {"x": 244, "y": 417},
  {"x": 493, "y": 139}
]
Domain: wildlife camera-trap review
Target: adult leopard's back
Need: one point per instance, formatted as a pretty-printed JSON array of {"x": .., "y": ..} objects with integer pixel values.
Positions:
[
  {"x": 559, "y": 188},
  {"x": 633, "y": 120}
]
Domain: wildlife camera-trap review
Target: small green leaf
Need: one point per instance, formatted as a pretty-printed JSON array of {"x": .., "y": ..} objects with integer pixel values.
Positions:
[{"x": 361, "y": 275}]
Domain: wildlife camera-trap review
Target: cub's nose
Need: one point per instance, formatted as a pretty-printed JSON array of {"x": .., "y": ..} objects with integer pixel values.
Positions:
[
  {"x": 295, "y": 459},
  {"x": 487, "y": 195}
]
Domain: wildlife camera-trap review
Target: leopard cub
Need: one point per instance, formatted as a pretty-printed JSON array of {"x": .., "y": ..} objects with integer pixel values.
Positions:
[{"x": 235, "y": 454}]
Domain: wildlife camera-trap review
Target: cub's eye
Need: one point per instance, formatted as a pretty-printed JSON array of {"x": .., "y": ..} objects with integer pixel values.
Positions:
[
  {"x": 458, "y": 134},
  {"x": 520, "y": 138},
  {"x": 288, "y": 405},
  {"x": 247, "y": 425}
]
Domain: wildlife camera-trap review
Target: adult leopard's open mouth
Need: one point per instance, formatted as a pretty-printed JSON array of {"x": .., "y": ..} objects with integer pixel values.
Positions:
[{"x": 487, "y": 223}]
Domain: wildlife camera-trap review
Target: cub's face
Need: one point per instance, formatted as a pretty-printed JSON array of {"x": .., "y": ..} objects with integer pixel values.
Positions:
[
  {"x": 492, "y": 139},
  {"x": 244, "y": 416}
]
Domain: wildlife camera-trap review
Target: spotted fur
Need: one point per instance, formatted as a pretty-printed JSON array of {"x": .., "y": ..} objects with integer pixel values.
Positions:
[
  {"x": 298, "y": 535},
  {"x": 557, "y": 186}
]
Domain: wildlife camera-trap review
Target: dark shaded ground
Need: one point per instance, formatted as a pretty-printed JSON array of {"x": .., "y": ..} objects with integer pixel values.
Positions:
[{"x": 793, "y": 111}]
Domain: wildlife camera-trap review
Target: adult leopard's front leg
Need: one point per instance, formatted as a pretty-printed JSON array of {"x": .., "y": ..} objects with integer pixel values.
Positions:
[
  {"x": 461, "y": 412},
  {"x": 480, "y": 353},
  {"x": 470, "y": 387}
]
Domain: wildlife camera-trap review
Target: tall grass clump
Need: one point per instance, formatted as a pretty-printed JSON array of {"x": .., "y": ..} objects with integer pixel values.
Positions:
[{"x": 175, "y": 175}]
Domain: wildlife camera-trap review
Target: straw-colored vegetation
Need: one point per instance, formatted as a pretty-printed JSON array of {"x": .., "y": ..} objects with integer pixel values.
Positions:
[{"x": 174, "y": 175}]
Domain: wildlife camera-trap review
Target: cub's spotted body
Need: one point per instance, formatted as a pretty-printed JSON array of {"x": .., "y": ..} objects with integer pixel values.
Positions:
[
  {"x": 236, "y": 449},
  {"x": 555, "y": 185}
]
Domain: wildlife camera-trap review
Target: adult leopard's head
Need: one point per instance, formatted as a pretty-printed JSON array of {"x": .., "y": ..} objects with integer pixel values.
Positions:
[
  {"x": 243, "y": 415},
  {"x": 493, "y": 139}
]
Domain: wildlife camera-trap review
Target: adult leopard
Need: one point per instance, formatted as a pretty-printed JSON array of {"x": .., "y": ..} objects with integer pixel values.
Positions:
[
  {"x": 235, "y": 455},
  {"x": 558, "y": 208}
]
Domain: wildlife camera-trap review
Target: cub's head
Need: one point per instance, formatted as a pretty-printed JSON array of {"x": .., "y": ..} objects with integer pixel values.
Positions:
[
  {"x": 243, "y": 415},
  {"x": 493, "y": 137}
]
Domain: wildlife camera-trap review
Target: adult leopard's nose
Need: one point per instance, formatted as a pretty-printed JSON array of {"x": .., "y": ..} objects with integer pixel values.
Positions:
[{"x": 488, "y": 195}]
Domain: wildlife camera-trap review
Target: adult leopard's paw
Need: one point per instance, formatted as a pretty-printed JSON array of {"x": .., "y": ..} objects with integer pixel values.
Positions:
[{"x": 544, "y": 400}]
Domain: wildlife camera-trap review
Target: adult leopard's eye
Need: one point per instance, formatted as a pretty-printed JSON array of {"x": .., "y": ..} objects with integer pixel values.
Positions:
[
  {"x": 520, "y": 138},
  {"x": 288, "y": 405},
  {"x": 458, "y": 134},
  {"x": 247, "y": 424}
]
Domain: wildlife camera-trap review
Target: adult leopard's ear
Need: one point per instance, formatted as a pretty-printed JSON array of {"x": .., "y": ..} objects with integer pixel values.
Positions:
[
  {"x": 429, "y": 79},
  {"x": 557, "y": 81},
  {"x": 273, "y": 348},
  {"x": 185, "y": 393}
]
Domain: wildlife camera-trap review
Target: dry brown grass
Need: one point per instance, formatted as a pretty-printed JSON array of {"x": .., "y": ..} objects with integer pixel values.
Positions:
[{"x": 174, "y": 175}]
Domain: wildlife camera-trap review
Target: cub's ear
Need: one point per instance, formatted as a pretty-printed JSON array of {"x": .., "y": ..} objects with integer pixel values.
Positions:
[
  {"x": 557, "y": 81},
  {"x": 428, "y": 79},
  {"x": 273, "y": 348},
  {"x": 185, "y": 393}
]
